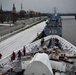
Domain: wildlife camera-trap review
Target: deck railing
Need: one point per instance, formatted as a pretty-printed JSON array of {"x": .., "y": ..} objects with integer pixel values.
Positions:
[{"x": 29, "y": 47}]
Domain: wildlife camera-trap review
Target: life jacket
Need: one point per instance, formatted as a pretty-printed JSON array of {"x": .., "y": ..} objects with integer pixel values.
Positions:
[
  {"x": 13, "y": 54},
  {"x": 42, "y": 40},
  {"x": 19, "y": 53},
  {"x": 24, "y": 49},
  {"x": 11, "y": 58}
]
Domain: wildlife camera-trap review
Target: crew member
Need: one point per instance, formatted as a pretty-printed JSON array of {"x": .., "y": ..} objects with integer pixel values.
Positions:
[
  {"x": 24, "y": 50},
  {"x": 19, "y": 54},
  {"x": 42, "y": 41},
  {"x": 13, "y": 56}
]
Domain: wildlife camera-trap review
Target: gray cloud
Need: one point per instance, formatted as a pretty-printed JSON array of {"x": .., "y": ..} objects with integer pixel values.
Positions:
[{"x": 41, "y": 5}]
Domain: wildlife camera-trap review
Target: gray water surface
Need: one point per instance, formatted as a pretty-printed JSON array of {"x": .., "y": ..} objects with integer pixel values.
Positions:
[{"x": 69, "y": 30}]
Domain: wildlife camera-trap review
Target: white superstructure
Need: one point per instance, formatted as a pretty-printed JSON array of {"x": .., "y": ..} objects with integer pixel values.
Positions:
[{"x": 39, "y": 65}]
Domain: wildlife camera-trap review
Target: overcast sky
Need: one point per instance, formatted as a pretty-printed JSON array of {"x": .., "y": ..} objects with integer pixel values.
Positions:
[{"x": 41, "y": 5}]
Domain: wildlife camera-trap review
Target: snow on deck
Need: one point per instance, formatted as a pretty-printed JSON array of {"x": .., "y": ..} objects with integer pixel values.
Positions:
[{"x": 17, "y": 41}]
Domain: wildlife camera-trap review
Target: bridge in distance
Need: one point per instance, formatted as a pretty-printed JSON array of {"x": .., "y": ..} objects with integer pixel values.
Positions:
[{"x": 61, "y": 14}]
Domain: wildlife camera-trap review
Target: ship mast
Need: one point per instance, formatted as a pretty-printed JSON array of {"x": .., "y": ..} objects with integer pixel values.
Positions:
[{"x": 55, "y": 10}]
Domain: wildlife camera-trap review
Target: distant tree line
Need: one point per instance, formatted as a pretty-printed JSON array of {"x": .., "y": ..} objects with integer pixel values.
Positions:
[{"x": 6, "y": 16}]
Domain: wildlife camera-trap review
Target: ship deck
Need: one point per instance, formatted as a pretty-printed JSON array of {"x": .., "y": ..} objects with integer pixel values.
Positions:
[{"x": 55, "y": 53}]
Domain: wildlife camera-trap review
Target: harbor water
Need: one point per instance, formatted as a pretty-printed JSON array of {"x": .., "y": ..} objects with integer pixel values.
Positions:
[{"x": 69, "y": 30}]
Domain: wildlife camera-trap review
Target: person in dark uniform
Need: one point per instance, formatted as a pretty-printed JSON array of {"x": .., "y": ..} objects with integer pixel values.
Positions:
[
  {"x": 50, "y": 42},
  {"x": 24, "y": 50},
  {"x": 19, "y": 54}
]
